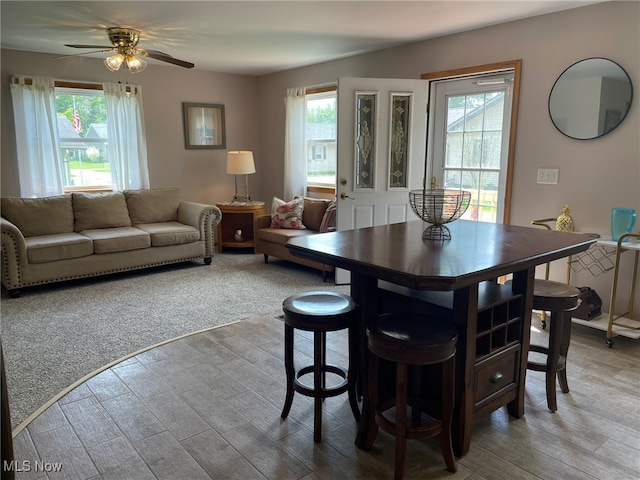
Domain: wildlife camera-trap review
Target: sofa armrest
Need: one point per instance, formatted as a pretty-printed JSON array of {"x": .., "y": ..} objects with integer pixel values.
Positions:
[
  {"x": 262, "y": 221},
  {"x": 14, "y": 255},
  {"x": 203, "y": 217}
]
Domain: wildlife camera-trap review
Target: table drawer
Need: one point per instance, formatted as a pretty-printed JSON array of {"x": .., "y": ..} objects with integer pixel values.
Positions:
[{"x": 494, "y": 374}]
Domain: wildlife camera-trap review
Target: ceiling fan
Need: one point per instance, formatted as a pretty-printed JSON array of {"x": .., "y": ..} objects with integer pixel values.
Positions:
[{"x": 124, "y": 43}]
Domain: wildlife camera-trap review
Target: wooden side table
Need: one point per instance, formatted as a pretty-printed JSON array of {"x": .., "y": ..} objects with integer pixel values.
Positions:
[{"x": 238, "y": 216}]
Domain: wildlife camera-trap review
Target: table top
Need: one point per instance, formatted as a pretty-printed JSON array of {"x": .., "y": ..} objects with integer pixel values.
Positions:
[{"x": 477, "y": 251}]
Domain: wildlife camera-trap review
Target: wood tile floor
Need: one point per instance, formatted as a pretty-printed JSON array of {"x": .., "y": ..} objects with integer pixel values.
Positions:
[{"x": 208, "y": 406}]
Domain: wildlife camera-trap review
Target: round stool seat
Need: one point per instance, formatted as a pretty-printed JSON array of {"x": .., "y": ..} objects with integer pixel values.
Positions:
[
  {"x": 319, "y": 311},
  {"x": 555, "y": 296},
  {"x": 411, "y": 338}
]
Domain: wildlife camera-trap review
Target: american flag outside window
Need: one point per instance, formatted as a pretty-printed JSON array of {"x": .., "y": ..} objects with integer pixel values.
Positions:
[{"x": 77, "y": 124}]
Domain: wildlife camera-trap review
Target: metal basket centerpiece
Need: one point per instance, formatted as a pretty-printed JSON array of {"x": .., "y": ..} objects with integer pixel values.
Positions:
[{"x": 438, "y": 207}]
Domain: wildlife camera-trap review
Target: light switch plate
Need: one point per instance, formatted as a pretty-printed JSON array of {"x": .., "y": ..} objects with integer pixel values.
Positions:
[{"x": 548, "y": 175}]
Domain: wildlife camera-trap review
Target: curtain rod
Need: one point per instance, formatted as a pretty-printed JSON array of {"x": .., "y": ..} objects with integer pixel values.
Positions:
[
  {"x": 68, "y": 84},
  {"x": 326, "y": 88}
]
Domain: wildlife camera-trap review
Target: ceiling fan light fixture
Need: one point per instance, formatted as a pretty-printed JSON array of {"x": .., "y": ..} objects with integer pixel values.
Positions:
[
  {"x": 123, "y": 46},
  {"x": 135, "y": 64},
  {"x": 114, "y": 62}
]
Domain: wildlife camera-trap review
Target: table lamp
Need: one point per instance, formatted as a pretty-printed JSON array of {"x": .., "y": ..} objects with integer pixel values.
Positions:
[{"x": 241, "y": 162}]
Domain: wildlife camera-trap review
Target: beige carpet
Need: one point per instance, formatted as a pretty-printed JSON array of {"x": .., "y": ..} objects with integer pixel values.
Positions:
[{"x": 54, "y": 335}]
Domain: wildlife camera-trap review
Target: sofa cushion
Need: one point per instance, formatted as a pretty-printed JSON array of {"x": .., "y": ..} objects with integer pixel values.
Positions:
[
  {"x": 60, "y": 246},
  {"x": 39, "y": 216},
  {"x": 313, "y": 212},
  {"x": 153, "y": 205},
  {"x": 287, "y": 214},
  {"x": 282, "y": 235},
  {"x": 170, "y": 233},
  {"x": 100, "y": 210},
  {"x": 109, "y": 240}
]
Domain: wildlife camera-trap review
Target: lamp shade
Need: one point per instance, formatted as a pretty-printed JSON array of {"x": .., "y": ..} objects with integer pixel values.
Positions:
[
  {"x": 135, "y": 64},
  {"x": 113, "y": 62},
  {"x": 240, "y": 162}
]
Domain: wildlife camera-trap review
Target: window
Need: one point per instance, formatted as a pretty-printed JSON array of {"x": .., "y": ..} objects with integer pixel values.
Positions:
[
  {"x": 319, "y": 152},
  {"x": 64, "y": 141},
  {"x": 321, "y": 138},
  {"x": 472, "y": 127},
  {"x": 474, "y": 146},
  {"x": 82, "y": 130}
]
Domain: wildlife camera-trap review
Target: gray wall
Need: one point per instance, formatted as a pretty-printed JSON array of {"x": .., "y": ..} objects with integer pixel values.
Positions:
[
  {"x": 595, "y": 175},
  {"x": 200, "y": 174}
]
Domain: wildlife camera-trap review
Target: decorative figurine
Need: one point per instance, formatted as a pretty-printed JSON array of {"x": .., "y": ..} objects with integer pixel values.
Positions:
[{"x": 564, "y": 223}]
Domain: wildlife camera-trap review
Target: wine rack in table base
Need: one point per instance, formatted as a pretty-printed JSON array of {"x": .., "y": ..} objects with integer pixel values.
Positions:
[{"x": 498, "y": 339}]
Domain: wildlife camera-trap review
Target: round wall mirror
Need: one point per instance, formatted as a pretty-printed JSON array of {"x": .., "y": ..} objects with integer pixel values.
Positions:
[{"x": 590, "y": 99}]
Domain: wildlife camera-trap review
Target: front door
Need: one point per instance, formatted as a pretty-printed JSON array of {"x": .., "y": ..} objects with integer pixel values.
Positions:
[{"x": 382, "y": 125}]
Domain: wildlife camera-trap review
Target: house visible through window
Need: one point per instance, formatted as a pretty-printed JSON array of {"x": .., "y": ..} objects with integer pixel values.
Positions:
[
  {"x": 321, "y": 139},
  {"x": 319, "y": 152},
  {"x": 82, "y": 130}
]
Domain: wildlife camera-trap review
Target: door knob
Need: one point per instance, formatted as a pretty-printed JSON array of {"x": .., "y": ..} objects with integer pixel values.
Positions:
[{"x": 344, "y": 196}]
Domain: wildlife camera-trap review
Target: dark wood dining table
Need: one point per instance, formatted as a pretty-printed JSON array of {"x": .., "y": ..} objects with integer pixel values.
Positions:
[{"x": 462, "y": 274}]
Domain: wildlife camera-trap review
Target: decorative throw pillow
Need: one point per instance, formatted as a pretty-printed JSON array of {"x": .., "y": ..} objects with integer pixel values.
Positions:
[
  {"x": 329, "y": 219},
  {"x": 314, "y": 209},
  {"x": 287, "y": 214}
]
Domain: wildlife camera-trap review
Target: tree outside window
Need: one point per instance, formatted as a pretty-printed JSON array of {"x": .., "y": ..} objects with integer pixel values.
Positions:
[{"x": 82, "y": 130}]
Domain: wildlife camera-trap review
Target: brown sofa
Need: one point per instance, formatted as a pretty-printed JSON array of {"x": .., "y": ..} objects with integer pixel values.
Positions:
[
  {"x": 65, "y": 237},
  {"x": 272, "y": 241}
]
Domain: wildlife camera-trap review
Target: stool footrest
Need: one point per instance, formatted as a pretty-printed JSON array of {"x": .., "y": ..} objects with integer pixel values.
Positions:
[
  {"x": 542, "y": 367},
  {"x": 332, "y": 391},
  {"x": 412, "y": 432}
]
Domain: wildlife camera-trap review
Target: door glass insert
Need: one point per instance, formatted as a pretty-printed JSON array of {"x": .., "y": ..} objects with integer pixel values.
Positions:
[
  {"x": 365, "y": 140},
  {"x": 473, "y": 149},
  {"x": 400, "y": 115}
]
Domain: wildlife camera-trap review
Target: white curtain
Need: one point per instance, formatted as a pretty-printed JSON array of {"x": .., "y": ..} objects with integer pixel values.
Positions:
[
  {"x": 38, "y": 147},
  {"x": 127, "y": 148},
  {"x": 295, "y": 155}
]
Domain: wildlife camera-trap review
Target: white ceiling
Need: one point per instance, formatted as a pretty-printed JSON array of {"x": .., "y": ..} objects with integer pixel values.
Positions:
[{"x": 256, "y": 37}]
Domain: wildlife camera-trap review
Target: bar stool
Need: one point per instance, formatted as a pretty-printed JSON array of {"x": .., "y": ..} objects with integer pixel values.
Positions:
[
  {"x": 410, "y": 341},
  {"x": 319, "y": 312},
  {"x": 560, "y": 299}
]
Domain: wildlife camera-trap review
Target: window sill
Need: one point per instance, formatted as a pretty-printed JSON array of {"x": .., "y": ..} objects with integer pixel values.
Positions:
[
  {"x": 89, "y": 189},
  {"x": 323, "y": 190}
]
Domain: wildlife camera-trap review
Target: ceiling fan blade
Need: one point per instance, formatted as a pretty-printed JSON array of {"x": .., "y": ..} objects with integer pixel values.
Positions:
[
  {"x": 88, "y": 46},
  {"x": 156, "y": 52},
  {"x": 163, "y": 57},
  {"x": 82, "y": 53}
]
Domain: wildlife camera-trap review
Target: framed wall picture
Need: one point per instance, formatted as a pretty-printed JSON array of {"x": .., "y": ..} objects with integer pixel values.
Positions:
[{"x": 203, "y": 125}]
